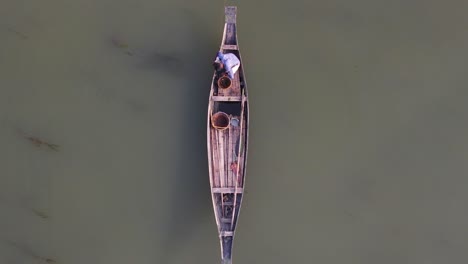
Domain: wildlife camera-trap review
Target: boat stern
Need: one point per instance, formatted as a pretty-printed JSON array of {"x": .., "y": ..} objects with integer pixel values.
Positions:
[{"x": 226, "y": 261}]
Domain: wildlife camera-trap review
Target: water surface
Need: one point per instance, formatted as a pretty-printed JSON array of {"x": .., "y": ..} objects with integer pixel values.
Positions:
[{"x": 357, "y": 141}]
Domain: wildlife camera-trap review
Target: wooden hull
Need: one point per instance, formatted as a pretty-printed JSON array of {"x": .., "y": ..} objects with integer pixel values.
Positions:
[{"x": 227, "y": 148}]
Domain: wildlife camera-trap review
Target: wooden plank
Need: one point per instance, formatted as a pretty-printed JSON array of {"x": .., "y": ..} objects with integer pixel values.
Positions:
[
  {"x": 225, "y": 220},
  {"x": 240, "y": 177},
  {"x": 225, "y": 152},
  {"x": 216, "y": 143},
  {"x": 214, "y": 164},
  {"x": 229, "y": 159},
  {"x": 230, "y": 33},
  {"x": 241, "y": 155},
  {"x": 234, "y": 90},
  {"x": 238, "y": 159},
  {"x": 215, "y": 161},
  {"x": 221, "y": 92},
  {"x": 227, "y": 190},
  {"x": 227, "y": 98},
  {"x": 226, "y": 156},
  {"x": 230, "y": 14},
  {"x": 230, "y": 47},
  {"x": 226, "y": 233},
  {"x": 221, "y": 160},
  {"x": 218, "y": 169}
]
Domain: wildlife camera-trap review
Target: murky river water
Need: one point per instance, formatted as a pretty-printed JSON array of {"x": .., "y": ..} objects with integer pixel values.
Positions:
[{"x": 358, "y": 143}]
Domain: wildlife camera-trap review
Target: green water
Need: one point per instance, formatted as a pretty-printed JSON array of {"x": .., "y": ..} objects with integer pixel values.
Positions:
[{"x": 357, "y": 149}]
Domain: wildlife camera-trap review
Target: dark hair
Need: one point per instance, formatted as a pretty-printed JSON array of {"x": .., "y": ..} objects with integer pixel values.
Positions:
[{"x": 218, "y": 66}]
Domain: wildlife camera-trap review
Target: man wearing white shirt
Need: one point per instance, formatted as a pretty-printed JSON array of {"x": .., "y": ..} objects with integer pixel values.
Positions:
[{"x": 228, "y": 62}]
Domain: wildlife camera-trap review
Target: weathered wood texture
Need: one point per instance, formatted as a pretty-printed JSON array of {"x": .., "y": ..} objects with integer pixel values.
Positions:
[
  {"x": 229, "y": 47},
  {"x": 224, "y": 160},
  {"x": 227, "y": 98},
  {"x": 230, "y": 14},
  {"x": 234, "y": 90}
]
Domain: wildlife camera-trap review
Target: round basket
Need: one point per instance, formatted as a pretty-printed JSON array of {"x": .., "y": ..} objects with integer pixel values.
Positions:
[
  {"x": 220, "y": 120},
  {"x": 224, "y": 82}
]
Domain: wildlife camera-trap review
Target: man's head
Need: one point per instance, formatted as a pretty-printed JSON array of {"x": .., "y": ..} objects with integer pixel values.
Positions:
[{"x": 218, "y": 66}]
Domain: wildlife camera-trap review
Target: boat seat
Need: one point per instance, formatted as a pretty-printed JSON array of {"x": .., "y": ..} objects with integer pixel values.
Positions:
[
  {"x": 227, "y": 190},
  {"x": 227, "y": 98},
  {"x": 226, "y": 220},
  {"x": 226, "y": 233},
  {"x": 230, "y": 47}
]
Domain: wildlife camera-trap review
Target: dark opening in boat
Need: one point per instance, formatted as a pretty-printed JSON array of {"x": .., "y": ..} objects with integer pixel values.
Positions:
[{"x": 230, "y": 108}]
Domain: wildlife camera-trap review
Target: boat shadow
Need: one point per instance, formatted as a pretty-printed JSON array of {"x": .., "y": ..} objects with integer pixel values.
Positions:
[{"x": 189, "y": 191}]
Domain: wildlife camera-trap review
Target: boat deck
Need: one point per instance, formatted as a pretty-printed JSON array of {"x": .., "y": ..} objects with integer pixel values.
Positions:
[{"x": 226, "y": 168}]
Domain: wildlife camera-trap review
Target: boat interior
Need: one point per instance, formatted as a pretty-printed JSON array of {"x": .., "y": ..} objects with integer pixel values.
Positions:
[
  {"x": 228, "y": 134},
  {"x": 227, "y": 140}
]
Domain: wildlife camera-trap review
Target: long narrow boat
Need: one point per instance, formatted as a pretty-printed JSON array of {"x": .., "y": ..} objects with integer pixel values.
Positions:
[{"x": 227, "y": 133}]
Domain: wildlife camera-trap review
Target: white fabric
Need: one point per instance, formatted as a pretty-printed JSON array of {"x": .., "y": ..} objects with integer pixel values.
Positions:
[{"x": 231, "y": 63}]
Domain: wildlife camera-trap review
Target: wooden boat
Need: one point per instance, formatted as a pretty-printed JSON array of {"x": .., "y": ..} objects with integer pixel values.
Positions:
[{"x": 227, "y": 134}]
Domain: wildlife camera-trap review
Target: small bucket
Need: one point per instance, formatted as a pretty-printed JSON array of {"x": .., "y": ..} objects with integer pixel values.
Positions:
[
  {"x": 224, "y": 82},
  {"x": 235, "y": 122},
  {"x": 220, "y": 120}
]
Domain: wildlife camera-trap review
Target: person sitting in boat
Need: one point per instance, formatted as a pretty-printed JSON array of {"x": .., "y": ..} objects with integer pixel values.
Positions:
[{"x": 228, "y": 63}]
